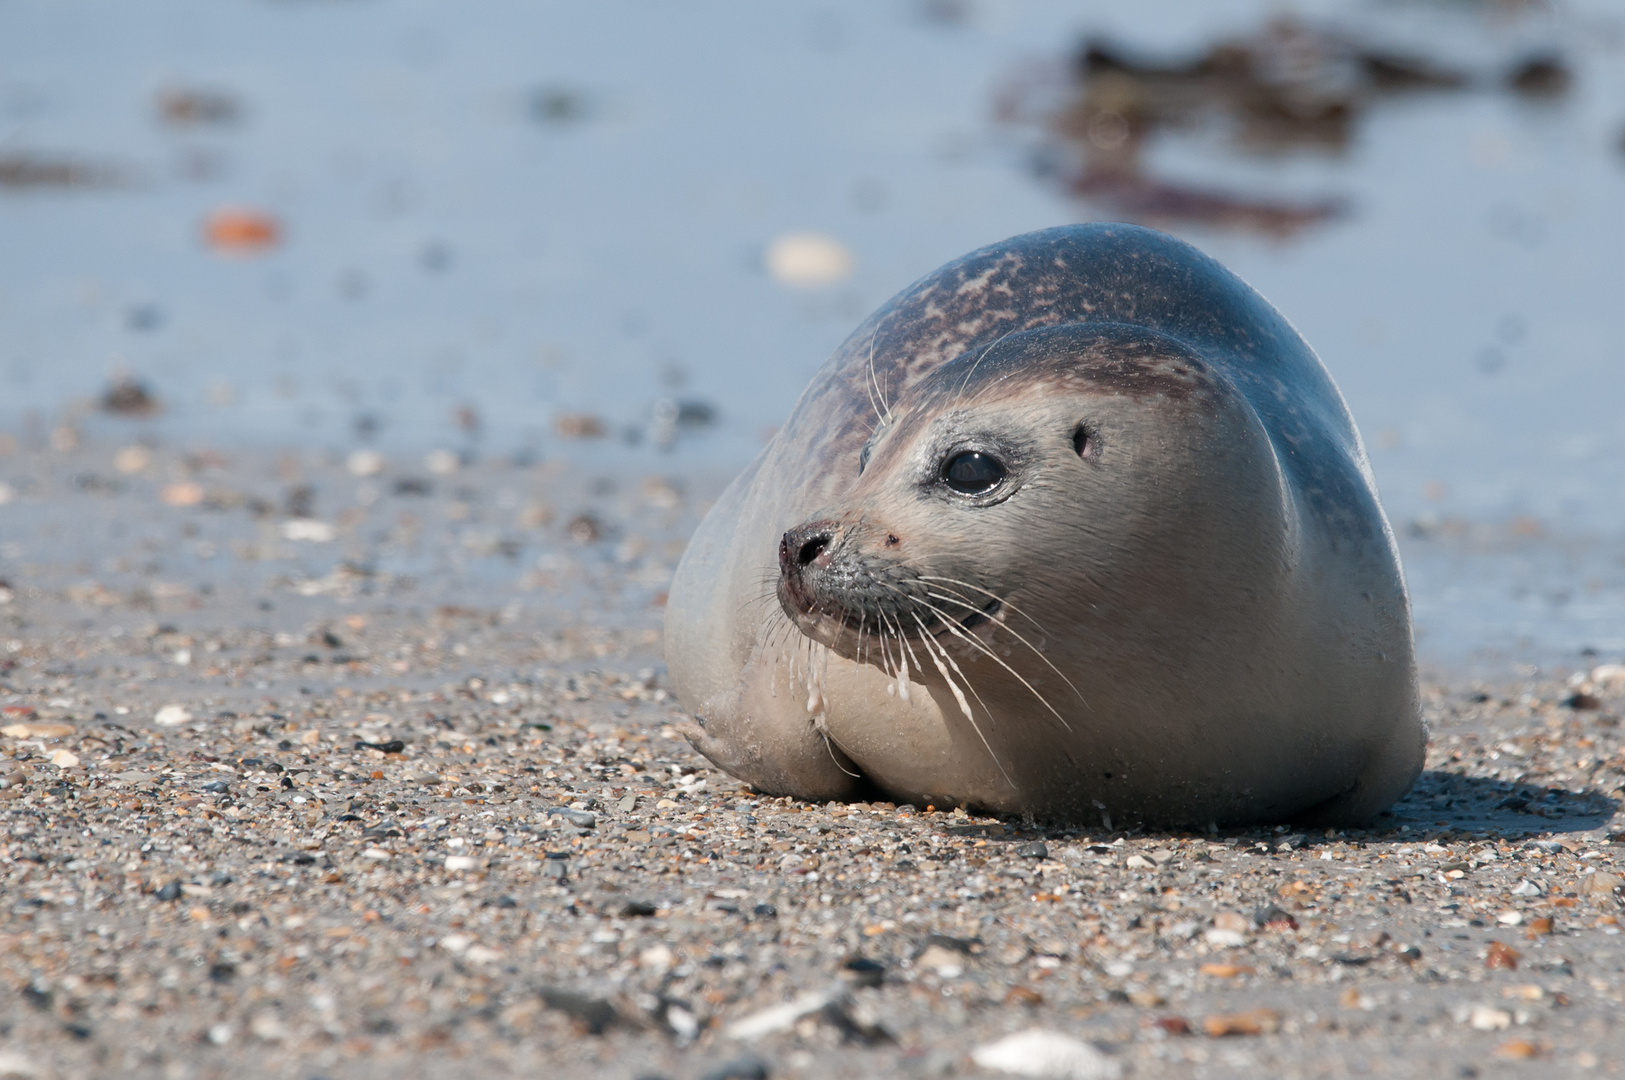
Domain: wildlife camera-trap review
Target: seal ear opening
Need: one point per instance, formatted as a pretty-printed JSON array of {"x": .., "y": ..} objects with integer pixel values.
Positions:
[{"x": 1083, "y": 442}]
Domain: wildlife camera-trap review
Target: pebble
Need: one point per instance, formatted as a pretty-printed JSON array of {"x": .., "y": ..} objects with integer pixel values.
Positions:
[
  {"x": 38, "y": 731},
  {"x": 1041, "y": 1053},
  {"x": 1250, "y": 1022},
  {"x": 745, "y": 1068},
  {"x": 809, "y": 260},
  {"x": 171, "y": 716}
]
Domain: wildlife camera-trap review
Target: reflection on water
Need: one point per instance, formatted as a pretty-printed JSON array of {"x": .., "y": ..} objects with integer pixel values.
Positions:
[
  {"x": 626, "y": 234},
  {"x": 1292, "y": 86}
]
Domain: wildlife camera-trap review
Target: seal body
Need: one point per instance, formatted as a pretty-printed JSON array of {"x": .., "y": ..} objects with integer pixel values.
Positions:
[{"x": 1077, "y": 526}]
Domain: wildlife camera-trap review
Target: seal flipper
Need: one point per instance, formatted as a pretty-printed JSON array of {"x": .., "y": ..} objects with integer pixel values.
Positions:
[{"x": 754, "y": 742}]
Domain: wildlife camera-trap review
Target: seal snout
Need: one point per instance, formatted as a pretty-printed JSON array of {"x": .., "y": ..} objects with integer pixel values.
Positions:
[{"x": 804, "y": 551}]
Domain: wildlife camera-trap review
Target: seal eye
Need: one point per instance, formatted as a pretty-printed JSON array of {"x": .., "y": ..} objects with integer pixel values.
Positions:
[{"x": 972, "y": 473}]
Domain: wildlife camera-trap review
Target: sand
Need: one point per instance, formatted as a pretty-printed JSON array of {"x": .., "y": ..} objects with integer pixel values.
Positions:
[{"x": 310, "y": 773}]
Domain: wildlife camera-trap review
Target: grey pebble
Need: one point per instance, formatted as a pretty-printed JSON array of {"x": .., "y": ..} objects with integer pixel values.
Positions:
[
  {"x": 1033, "y": 849},
  {"x": 749, "y": 1067}
]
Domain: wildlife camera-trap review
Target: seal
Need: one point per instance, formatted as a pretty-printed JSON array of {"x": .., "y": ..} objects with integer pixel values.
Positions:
[{"x": 1076, "y": 527}]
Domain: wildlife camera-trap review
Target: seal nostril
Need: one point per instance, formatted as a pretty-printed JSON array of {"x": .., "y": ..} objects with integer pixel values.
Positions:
[{"x": 812, "y": 548}]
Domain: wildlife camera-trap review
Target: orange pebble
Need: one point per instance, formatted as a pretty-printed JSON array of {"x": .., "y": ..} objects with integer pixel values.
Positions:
[{"x": 241, "y": 231}]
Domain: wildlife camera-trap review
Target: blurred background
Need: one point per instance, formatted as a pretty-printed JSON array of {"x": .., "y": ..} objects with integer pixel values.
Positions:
[{"x": 624, "y": 234}]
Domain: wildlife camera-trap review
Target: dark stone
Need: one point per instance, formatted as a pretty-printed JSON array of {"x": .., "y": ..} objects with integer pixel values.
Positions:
[
  {"x": 171, "y": 891},
  {"x": 593, "y": 1016},
  {"x": 765, "y": 911},
  {"x": 639, "y": 909},
  {"x": 393, "y": 746},
  {"x": 864, "y": 972},
  {"x": 749, "y": 1067},
  {"x": 1033, "y": 849}
]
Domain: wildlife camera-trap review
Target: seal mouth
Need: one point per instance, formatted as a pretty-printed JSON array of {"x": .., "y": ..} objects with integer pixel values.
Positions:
[{"x": 835, "y": 590}]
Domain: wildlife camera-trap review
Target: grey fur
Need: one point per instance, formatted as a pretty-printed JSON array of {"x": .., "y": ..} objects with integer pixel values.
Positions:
[{"x": 1203, "y": 617}]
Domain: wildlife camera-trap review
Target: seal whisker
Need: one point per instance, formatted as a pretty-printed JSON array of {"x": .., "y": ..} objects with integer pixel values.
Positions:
[
  {"x": 1033, "y": 648},
  {"x": 964, "y": 706},
  {"x": 989, "y": 593},
  {"x": 955, "y": 629}
]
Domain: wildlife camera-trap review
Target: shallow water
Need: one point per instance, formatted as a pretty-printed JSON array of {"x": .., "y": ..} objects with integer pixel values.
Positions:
[{"x": 547, "y": 209}]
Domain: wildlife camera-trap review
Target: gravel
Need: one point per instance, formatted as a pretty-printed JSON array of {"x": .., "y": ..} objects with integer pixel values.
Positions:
[{"x": 466, "y": 838}]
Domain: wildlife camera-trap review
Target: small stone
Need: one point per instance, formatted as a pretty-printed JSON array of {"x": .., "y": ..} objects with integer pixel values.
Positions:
[
  {"x": 1251, "y": 1022},
  {"x": 171, "y": 716},
  {"x": 1139, "y": 862},
  {"x": 1274, "y": 918},
  {"x": 1221, "y": 938},
  {"x": 185, "y": 493},
  {"x": 308, "y": 530},
  {"x": 657, "y": 958},
  {"x": 580, "y": 818},
  {"x": 365, "y": 463},
  {"x": 765, "y": 911},
  {"x": 808, "y": 260},
  {"x": 1033, "y": 849},
  {"x": 267, "y": 1027},
  {"x": 63, "y": 759},
  {"x": 1230, "y": 920},
  {"x": 1600, "y": 884},
  {"x": 171, "y": 891},
  {"x": 782, "y": 1017},
  {"x": 460, "y": 862},
  {"x": 1526, "y": 888},
  {"x": 1225, "y": 971},
  {"x": 1145, "y": 999},
  {"x": 628, "y": 804},
  {"x": 591, "y": 1016},
  {"x": 555, "y": 870},
  {"x": 1502, "y": 956},
  {"x": 37, "y": 731},
  {"x": 220, "y": 1034},
  {"x": 442, "y": 462},
  {"x": 864, "y": 972},
  {"x": 1509, "y": 918},
  {"x": 750, "y": 1067},
  {"x": 1538, "y": 927},
  {"x": 1042, "y": 1053},
  {"x": 13, "y": 1066},
  {"x": 1489, "y": 1018},
  {"x": 1517, "y": 1049}
]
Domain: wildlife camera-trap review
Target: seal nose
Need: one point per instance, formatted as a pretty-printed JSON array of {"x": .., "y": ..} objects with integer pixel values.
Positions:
[{"x": 801, "y": 547}]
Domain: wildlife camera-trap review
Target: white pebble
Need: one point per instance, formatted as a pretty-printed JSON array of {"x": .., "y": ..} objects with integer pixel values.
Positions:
[
  {"x": 365, "y": 463},
  {"x": 171, "y": 716},
  {"x": 1037, "y": 1052},
  {"x": 806, "y": 260},
  {"x": 308, "y": 529}
]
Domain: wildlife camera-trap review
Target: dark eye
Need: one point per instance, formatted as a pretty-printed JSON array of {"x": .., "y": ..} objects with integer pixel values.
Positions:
[
  {"x": 972, "y": 473},
  {"x": 863, "y": 458}
]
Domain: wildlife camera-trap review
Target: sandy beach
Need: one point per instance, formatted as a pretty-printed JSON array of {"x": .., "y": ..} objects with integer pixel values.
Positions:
[{"x": 310, "y": 773}]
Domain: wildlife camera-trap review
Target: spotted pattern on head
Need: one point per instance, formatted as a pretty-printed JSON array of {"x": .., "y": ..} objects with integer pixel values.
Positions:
[{"x": 1078, "y": 276}]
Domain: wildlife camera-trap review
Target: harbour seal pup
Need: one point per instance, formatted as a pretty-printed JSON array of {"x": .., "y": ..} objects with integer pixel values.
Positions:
[{"x": 1076, "y": 527}]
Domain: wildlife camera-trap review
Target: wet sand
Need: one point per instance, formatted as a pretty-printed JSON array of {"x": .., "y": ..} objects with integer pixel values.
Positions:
[{"x": 310, "y": 773}]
